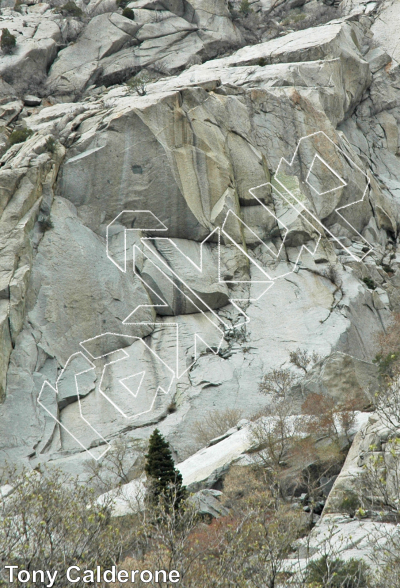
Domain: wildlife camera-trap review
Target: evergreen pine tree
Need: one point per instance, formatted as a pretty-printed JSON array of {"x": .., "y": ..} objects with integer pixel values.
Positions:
[{"x": 165, "y": 479}]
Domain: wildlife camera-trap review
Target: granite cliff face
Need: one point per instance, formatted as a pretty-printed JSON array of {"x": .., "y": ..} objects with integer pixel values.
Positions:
[{"x": 164, "y": 243}]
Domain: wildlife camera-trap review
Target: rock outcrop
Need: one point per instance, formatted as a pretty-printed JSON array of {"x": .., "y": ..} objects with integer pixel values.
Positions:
[{"x": 98, "y": 45}]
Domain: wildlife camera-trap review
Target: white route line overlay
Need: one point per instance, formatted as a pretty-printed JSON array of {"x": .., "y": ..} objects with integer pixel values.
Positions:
[
  {"x": 315, "y": 218},
  {"x": 93, "y": 367},
  {"x": 270, "y": 281}
]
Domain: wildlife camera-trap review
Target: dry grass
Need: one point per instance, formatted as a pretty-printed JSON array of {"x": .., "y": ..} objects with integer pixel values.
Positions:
[{"x": 215, "y": 423}]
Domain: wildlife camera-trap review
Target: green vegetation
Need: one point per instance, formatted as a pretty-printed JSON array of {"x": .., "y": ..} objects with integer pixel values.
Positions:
[
  {"x": 165, "y": 479},
  {"x": 292, "y": 19},
  {"x": 245, "y": 7},
  {"x": 138, "y": 83},
  {"x": 50, "y": 145},
  {"x": 262, "y": 61},
  {"x": 387, "y": 268},
  {"x": 51, "y": 521},
  {"x": 172, "y": 407},
  {"x": 350, "y": 504},
  {"x": 388, "y": 357},
  {"x": 71, "y": 9},
  {"x": 336, "y": 573},
  {"x": 8, "y": 42},
  {"x": 386, "y": 363},
  {"x": 128, "y": 13},
  {"x": 214, "y": 424},
  {"x": 46, "y": 224},
  {"x": 122, "y": 3},
  {"x": 19, "y": 136},
  {"x": 369, "y": 282}
]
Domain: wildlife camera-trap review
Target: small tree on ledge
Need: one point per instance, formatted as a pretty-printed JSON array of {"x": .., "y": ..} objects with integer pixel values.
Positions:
[
  {"x": 7, "y": 42},
  {"x": 165, "y": 479}
]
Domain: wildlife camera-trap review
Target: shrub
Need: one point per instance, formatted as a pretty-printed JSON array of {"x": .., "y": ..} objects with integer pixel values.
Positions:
[
  {"x": 303, "y": 359},
  {"x": 46, "y": 224},
  {"x": 19, "y": 136},
  {"x": 138, "y": 83},
  {"x": 389, "y": 341},
  {"x": 278, "y": 382},
  {"x": 275, "y": 434},
  {"x": 50, "y": 145},
  {"x": 122, "y": 463},
  {"x": 51, "y": 521},
  {"x": 128, "y": 13},
  {"x": 172, "y": 407},
  {"x": 299, "y": 17},
  {"x": 327, "y": 417},
  {"x": 294, "y": 18},
  {"x": 71, "y": 9},
  {"x": 386, "y": 363},
  {"x": 389, "y": 349},
  {"x": 245, "y": 7},
  {"x": 332, "y": 275},
  {"x": 336, "y": 573},
  {"x": 215, "y": 423},
  {"x": 369, "y": 282},
  {"x": 262, "y": 61},
  {"x": 350, "y": 504},
  {"x": 8, "y": 42},
  {"x": 387, "y": 268},
  {"x": 122, "y": 3}
]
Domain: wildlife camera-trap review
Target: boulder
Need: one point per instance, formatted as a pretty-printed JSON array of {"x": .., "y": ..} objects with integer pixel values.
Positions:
[
  {"x": 168, "y": 26},
  {"x": 48, "y": 29},
  {"x": 27, "y": 67},
  {"x": 371, "y": 442},
  {"x": 30, "y": 100},
  {"x": 341, "y": 537},
  {"x": 70, "y": 29},
  {"x": 324, "y": 42},
  {"x": 199, "y": 473},
  {"x": 342, "y": 377},
  {"x": 206, "y": 502},
  {"x": 97, "y": 7},
  {"x": 10, "y": 111},
  {"x": 168, "y": 54},
  {"x": 377, "y": 58},
  {"x": 167, "y": 42},
  {"x": 177, "y": 7},
  {"x": 7, "y": 92},
  {"x": 204, "y": 468}
]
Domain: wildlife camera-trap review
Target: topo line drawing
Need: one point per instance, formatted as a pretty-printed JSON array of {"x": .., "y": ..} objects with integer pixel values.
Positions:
[{"x": 143, "y": 248}]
